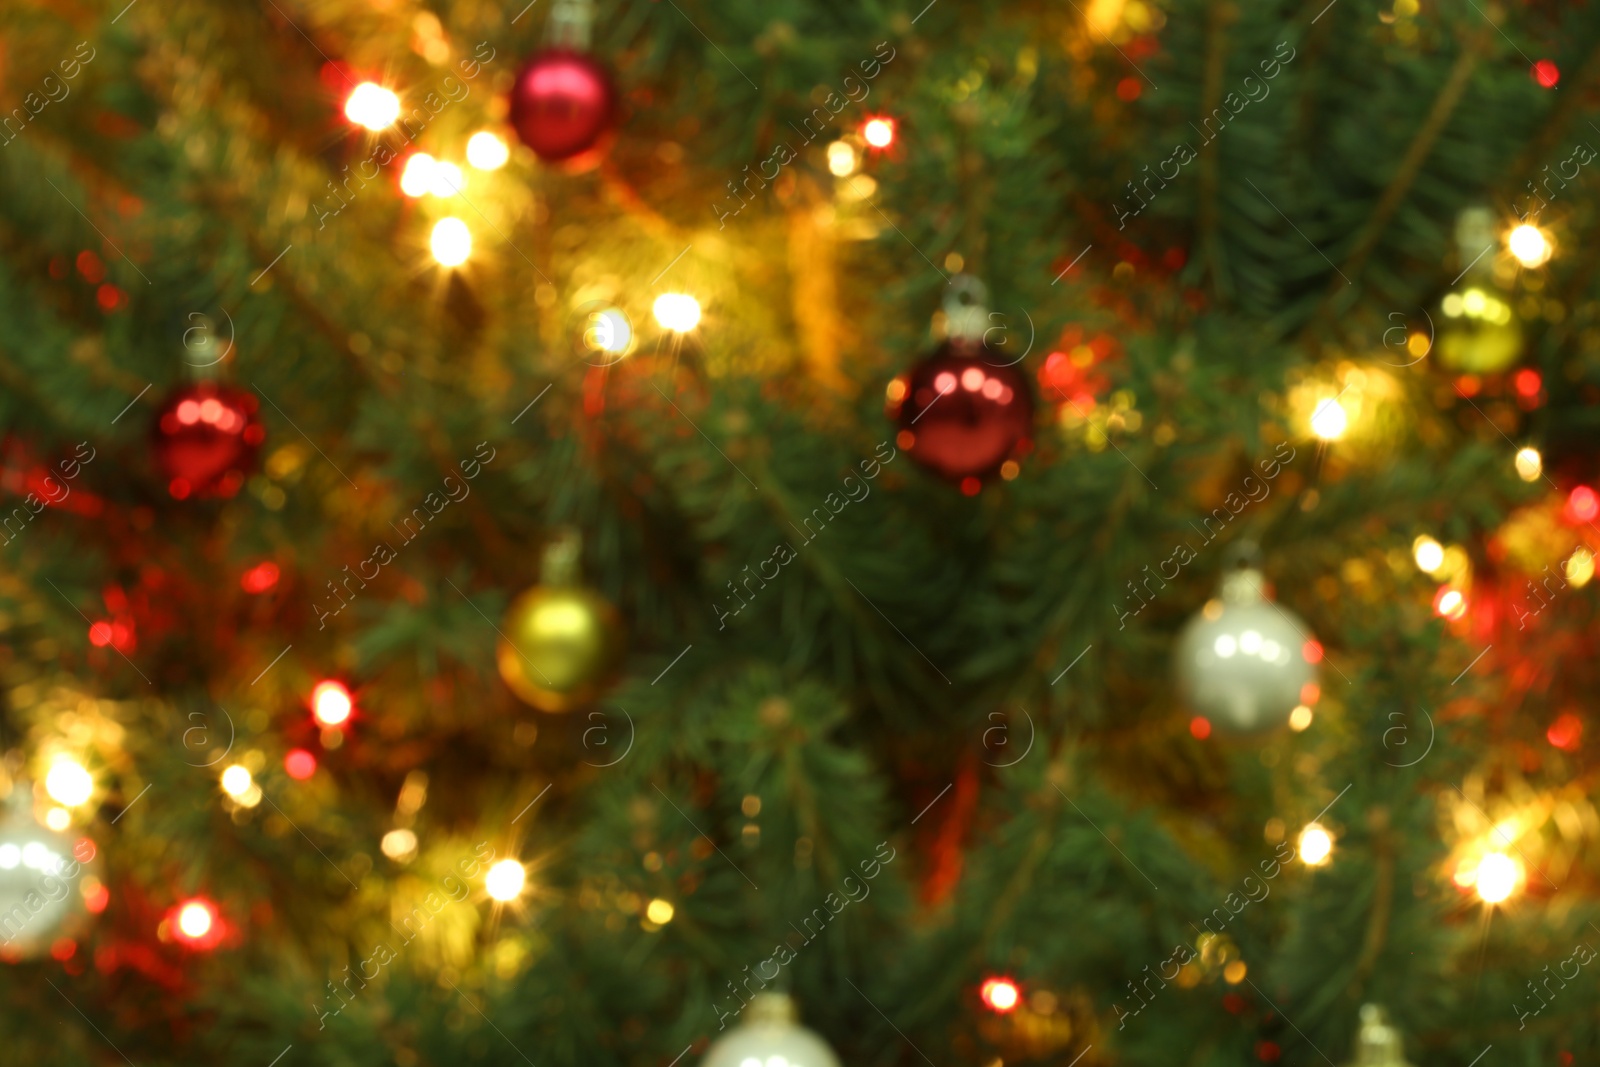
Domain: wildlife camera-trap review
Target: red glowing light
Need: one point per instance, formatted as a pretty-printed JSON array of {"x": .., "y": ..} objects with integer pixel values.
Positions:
[
  {"x": 108, "y": 297},
  {"x": 878, "y": 132},
  {"x": 1546, "y": 73},
  {"x": 63, "y": 948},
  {"x": 90, "y": 267},
  {"x": 195, "y": 923},
  {"x": 1129, "y": 89},
  {"x": 1268, "y": 1051},
  {"x": 1312, "y": 651},
  {"x": 299, "y": 764},
  {"x": 96, "y": 898},
  {"x": 100, "y": 634},
  {"x": 1310, "y": 693},
  {"x": 1528, "y": 382},
  {"x": 1566, "y": 733},
  {"x": 1582, "y": 504},
  {"x": 1000, "y": 994},
  {"x": 1200, "y": 727},
  {"x": 330, "y": 702},
  {"x": 260, "y": 578},
  {"x": 970, "y": 486}
]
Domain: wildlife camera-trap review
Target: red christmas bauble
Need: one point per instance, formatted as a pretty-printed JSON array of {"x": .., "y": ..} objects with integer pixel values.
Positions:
[
  {"x": 963, "y": 412},
  {"x": 206, "y": 438},
  {"x": 562, "y": 104}
]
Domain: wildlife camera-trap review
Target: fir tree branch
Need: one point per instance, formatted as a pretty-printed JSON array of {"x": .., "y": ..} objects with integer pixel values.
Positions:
[
  {"x": 1444, "y": 105},
  {"x": 1220, "y": 15}
]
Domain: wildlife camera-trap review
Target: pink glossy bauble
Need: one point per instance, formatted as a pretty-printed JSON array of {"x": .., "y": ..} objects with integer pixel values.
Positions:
[{"x": 562, "y": 104}]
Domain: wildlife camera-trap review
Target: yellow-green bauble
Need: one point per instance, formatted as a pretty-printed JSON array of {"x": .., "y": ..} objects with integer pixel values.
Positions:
[
  {"x": 560, "y": 646},
  {"x": 1478, "y": 332}
]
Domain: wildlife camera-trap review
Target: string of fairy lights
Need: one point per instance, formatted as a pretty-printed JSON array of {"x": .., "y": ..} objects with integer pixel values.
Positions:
[{"x": 1482, "y": 864}]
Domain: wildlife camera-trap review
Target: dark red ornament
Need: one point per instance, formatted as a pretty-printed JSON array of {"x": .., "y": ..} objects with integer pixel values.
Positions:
[
  {"x": 963, "y": 412},
  {"x": 206, "y": 439},
  {"x": 562, "y": 104}
]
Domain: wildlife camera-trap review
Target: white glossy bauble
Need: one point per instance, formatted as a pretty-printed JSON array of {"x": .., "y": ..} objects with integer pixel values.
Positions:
[
  {"x": 41, "y": 885},
  {"x": 767, "y": 1035},
  {"x": 1245, "y": 663}
]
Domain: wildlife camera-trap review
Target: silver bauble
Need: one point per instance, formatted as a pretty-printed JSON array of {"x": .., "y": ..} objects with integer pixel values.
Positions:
[
  {"x": 767, "y": 1035},
  {"x": 1244, "y": 663},
  {"x": 41, "y": 885}
]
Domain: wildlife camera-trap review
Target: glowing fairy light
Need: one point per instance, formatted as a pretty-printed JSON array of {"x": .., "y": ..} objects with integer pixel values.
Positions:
[
  {"x": 417, "y": 177},
  {"x": 451, "y": 242},
  {"x": 1529, "y": 464},
  {"x": 677, "y": 312},
  {"x": 505, "y": 880},
  {"x": 1000, "y": 994},
  {"x": 331, "y": 703},
  {"x": 68, "y": 783},
  {"x": 486, "y": 151},
  {"x": 1529, "y": 245},
  {"x": 1428, "y": 553},
  {"x": 1329, "y": 421},
  {"x": 1497, "y": 877},
  {"x": 372, "y": 106},
  {"x": 1316, "y": 845},
  {"x": 236, "y": 781},
  {"x": 879, "y": 133}
]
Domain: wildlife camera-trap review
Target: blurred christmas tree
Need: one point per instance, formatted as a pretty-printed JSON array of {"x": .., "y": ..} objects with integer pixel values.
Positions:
[{"x": 1048, "y": 534}]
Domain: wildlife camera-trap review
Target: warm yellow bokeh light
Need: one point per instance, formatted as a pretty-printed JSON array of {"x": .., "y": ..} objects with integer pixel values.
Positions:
[
  {"x": 505, "y": 880},
  {"x": 1316, "y": 845},
  {"x": 486, "y": 151},
  {"x": 1428, "y": 553},
  {"x": 446, "y": 180},
  {"x": 372, "y": 106},
  {"x": 677, "y": 312},
  {"x": 1497, "y": 877},
  {"x": 659, "y": 912},
  {"x": 236, "y": 780},
  {"x": 1530, "y": 245},
  {"x": 879, "y": 133},
  {"x": 1300, "y": 718},
  {"x": 1580, "y": 567},
  {"x": 841, "y": 159},
  {"x": 451, "y": 242},
  {"x": 68, "y": 783},
  {"x": 398, "y": 844},
  {"x": 58, "y": 819},
  {"x": 417, "y": 177},
  {"x": 1529, "y": 464},
  {"x": 1329, "y": 421}
]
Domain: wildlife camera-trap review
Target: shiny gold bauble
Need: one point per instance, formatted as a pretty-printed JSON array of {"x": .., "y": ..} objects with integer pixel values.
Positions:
[
  {"x": 1478, "y": 332},
  {"x": 560, "y": 645}
]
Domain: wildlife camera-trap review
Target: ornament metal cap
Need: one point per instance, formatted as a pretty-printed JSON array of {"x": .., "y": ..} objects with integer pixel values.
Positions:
[
  {"x": 966, "y": 310},
  {"x": 571, "y": 25},
  {"x": 559, "y": 565},
  {"x": 1242, "y": 581},
  {"x": 1377, "y": 1041},
  {"x": 771, "y": 1009}
]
